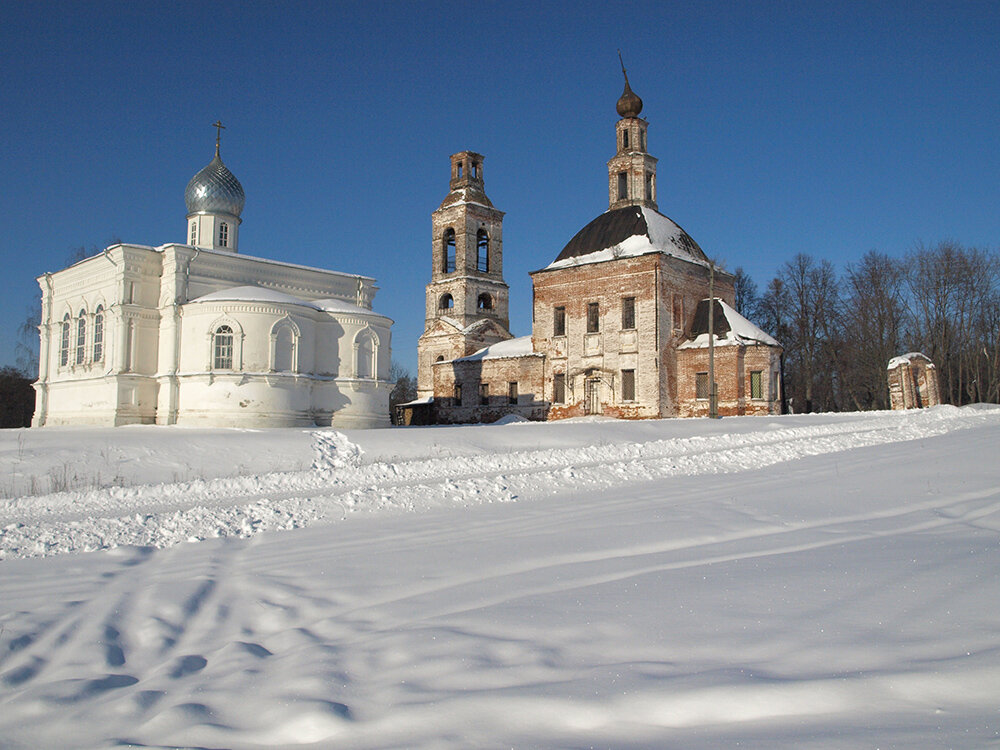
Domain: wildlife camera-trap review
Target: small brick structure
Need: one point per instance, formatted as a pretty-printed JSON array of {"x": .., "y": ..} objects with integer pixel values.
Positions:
[
  {"x": 747, "y": 366},
  {"x": 615, "y": 324},
  {"x": 913, "y": 382}
]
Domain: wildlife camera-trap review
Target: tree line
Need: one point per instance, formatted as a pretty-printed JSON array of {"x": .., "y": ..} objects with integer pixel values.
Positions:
[{"x": 839, "y": 333}]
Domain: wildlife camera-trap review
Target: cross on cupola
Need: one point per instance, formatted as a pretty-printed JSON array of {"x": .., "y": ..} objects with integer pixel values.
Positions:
[
  {"x": 631, "y": 171},
  {"x": 219, "y": 127}
]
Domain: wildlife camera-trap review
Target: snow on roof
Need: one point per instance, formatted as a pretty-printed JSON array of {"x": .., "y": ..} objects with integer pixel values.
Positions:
[
  {"x": 509, "y": 349},
  {"x": 252, "y": 294},
  {"x": 740, "y": 330},
  {"x": 261, "y": 294},
  {"x": 341, "y": 306},
  {"x": 605, "y": 239},
  {"x": 903, "y": 359},
  {"x": 418, "y": 401}
]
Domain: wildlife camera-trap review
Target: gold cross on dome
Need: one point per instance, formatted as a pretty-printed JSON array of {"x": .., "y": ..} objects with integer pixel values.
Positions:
[{"x": 219, "y": 127}]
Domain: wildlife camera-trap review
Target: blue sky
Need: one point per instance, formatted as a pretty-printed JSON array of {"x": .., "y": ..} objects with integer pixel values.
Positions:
[{"x": 780, "y": 127}]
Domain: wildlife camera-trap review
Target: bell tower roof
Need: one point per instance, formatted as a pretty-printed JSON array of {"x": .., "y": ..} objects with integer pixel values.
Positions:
[
  {"x": 629, "y": 103},
  {"x": 632, "y": 170}
]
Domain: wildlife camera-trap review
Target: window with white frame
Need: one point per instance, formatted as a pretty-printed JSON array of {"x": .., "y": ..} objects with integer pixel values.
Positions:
[
  {"x": 365, "y": 353},
  {"x": 64, "y": 343},
  {"x": 98, "y": 352},
  {"x": 193, "y": 240},
  {"x": 222, "y": 349},
  {"x": 81, "y": 337},
  {"x": 284, "y": 349},
  {"x": 223, "y": 234}
]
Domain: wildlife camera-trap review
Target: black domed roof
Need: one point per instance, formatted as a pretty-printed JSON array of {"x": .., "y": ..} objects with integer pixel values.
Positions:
[{"x": 626, "y": 232}]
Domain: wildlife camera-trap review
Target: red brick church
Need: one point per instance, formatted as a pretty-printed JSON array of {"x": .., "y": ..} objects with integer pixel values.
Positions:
[{"x": 621, "y": 315}]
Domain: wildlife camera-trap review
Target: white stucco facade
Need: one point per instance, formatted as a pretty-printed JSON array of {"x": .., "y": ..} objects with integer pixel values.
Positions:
[{"x": 198, "y": 334}]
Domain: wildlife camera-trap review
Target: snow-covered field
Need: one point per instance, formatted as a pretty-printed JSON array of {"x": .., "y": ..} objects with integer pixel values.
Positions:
[{"x": 821, "y": 581}]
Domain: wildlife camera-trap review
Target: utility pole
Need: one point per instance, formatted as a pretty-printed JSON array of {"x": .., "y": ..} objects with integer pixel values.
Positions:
[{"x": 713, "y": 404}]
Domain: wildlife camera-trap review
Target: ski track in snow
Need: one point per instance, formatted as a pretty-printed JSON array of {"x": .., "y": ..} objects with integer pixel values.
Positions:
[
  {"x": 340, "y": 483},
  {"x": 850, "y": 607}
]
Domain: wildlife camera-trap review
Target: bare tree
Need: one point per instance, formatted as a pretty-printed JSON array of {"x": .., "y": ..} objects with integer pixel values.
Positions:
[
  {"x": 872, "y": 319},
  {"x": 747, "y": 299},
  {"x": 952, "y": 289},
  {"x": 405, "y": 389}
]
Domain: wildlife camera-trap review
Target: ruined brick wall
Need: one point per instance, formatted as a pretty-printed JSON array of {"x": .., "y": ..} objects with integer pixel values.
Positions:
[
  {"x": 497, "y": 375},
  {"x": 913, "y": 384},
  {"x": 734, "y": 366},
  {"x": 666, "y": 291}
]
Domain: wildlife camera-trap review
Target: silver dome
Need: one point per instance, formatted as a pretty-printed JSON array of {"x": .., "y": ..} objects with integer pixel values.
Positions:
[{"x": 215, "y": 190}]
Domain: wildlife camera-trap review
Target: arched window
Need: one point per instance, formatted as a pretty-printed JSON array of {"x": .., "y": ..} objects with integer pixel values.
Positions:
[
  {"x": 64, "y": 343},
  {"x": 99, "y": 333},
  {"x": 284, "y": 349},
  {"x": 81, "y": 337},
  {"x": 194, "y": 233},
  {"x": 284, "y": 346},
  {"x": 223, "y": 234},
  {"x": 365, "y": 349},
  {"x": 446, "y": 302},
  {"x": 440, "y": 358},
  {"x": 223, "y": 348},
  {"x": 448, "y": 251},
  {"x": 483, "y": 250},
  {"x": 485, "y": 301}
]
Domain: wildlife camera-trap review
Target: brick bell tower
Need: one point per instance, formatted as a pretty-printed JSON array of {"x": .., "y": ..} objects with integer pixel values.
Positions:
[
  {"x": 466, "y": 301},
  {"x": 631, "y": 171}
]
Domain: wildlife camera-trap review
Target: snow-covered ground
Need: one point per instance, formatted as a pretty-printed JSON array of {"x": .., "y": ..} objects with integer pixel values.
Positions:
[{"x": 797, "y": 582}]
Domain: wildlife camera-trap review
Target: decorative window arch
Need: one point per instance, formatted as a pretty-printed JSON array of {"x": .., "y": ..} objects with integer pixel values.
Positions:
[
  {"x": 98, "y": 343},
  {"x": 225, "y": 344},
  {"x": 222, "y": 349},
  {"x": 81, "y": 338},
  {"x": 448, "y": 251},
  {"x": 64, "y": 342},
  {"x": 285, "y": 346},
  {"x": 366, "y": 354},
  {"x": 485, "y": 302},
  {"x": 447, "y": 302},
  {"x": 482, "y": 251}
]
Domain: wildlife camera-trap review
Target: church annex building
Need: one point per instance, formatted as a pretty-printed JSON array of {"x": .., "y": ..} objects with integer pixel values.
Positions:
[
  {"x": 620, "y": 320},
  {"x": 197, "y": 334}
]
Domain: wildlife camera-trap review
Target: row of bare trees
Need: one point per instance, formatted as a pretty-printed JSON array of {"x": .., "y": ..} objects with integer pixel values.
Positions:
[{"x": 839, "y": 333}]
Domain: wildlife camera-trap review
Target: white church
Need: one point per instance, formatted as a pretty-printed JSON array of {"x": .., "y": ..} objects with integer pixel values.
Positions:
[{"x": 197, "y": 334}]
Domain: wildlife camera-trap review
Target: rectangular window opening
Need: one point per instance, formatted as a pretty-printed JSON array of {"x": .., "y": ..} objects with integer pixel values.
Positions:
[
  {"x": 622, "y": 186},
  {"x": 559, "y": 321},
  {"x": 757, "y": 384},
  {"x": 512, "y": 393},
  {"x": 458, "y": 394},
  {"x": 628, "y": 385},
  {"x": 701, "y": 386},
  {"x": 628, "y": 313},
  {"x": 593, "y": 317},
  {"x": 559, "y": 388},
  {"x": 484, "y": 394}
]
